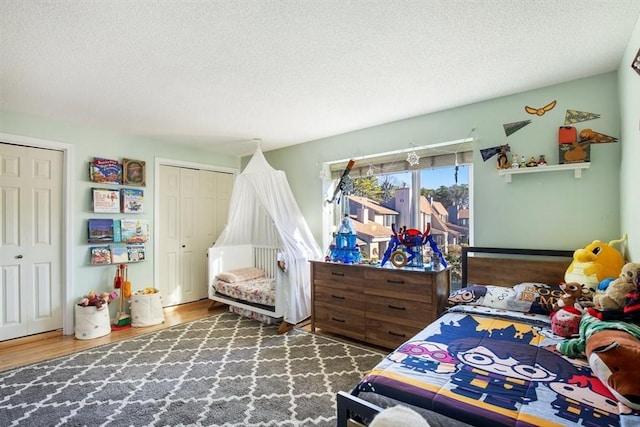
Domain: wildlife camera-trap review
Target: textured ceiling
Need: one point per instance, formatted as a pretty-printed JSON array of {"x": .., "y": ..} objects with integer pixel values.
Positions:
[{"x": 217, "y": 74}]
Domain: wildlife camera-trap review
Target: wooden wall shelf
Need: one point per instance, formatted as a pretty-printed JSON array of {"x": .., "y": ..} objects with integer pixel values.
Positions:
[{"x": 575, "y": 167}]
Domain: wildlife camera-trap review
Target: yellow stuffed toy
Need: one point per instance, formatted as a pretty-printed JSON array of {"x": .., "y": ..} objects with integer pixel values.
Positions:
[{"x": 594, "y": 263}]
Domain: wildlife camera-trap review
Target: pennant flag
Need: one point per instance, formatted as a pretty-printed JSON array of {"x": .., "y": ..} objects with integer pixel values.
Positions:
[
  {"x": 601, "y": 138},
  {"x": 488, "y": 153},
  {"x": 513, "y": 127},
  {"x": 574, "y": 116}
]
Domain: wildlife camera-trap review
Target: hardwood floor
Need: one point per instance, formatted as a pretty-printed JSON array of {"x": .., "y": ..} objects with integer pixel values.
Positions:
[{"x": 36, "y": 348}]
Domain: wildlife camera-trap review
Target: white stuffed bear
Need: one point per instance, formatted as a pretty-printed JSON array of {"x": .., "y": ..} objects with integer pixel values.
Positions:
[{"x": 398, "y": 416}]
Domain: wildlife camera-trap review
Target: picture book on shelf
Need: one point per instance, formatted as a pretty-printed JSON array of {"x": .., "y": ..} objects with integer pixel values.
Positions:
[
  {"x": 117, "y": 236},
  {"x": 132, "y": 200},
  {"x": 133, "y": 172},
  {"x": 105, "y": 200},
  {"x": 100, "y": 255},
  {"x": 100, "y": 230},
  {"x": 105, "y": 170},
  {"x": 136, "y": 252},
  {"x": 134, "y": 230},
  {"x": 119, "y": 254}
]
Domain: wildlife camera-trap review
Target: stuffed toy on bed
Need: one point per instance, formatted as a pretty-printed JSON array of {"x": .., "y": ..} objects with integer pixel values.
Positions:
[
  {"x": 612, "y": 349},
  {"x": 613, "y": 296},
  {"x": 594, "y": 263}
]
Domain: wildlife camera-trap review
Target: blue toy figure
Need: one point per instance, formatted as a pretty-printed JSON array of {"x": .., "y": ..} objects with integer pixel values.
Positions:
[
  {"x": 345, "y": 249},
  {"x": 405, "y": 247}
]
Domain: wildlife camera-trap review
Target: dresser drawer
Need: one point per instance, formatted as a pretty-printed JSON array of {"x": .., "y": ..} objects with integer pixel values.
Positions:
[
  {"x": 401, "y": 311},
  {"x": 338, "y": 297},
  {"x": 387, "y": 334},
  {"x": 337, "y": 275},
  {"x": 349, "y": 323}
]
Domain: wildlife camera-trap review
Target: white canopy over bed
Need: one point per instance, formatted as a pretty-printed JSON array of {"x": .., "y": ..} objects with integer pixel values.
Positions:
[{"x": 264, "y": 212}]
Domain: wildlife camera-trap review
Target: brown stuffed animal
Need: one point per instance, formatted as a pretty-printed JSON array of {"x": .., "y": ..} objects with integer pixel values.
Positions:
[
  {"x": 573, "y": 292},
  {"x": 613, "y": 298},
  {"x": 613, "y": 356}
]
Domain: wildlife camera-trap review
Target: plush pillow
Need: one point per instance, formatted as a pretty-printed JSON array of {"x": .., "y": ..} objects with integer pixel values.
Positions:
[
  {"x": 240, "y": 274},
  {"x": 524, "y": 297}
]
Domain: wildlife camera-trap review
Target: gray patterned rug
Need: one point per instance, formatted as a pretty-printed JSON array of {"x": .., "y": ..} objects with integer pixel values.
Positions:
[{"x": 224, "y": 370}]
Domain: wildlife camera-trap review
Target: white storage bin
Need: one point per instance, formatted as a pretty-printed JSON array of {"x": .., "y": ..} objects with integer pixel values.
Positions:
[
  {"x": 146, "y": 310},
  {"x": 91, "y": 322}
]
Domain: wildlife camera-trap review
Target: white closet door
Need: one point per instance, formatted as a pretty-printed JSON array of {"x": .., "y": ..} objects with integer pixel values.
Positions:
[
  {"x": 31, "y": 255},
  {"x": 194, "y": 206}
]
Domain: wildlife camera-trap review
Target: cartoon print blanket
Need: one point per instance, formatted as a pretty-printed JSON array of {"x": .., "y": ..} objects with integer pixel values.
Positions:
[{"x": 494, "y": 367}]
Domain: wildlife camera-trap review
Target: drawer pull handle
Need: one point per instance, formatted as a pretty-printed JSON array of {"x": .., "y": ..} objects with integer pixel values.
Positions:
[
  {"x": 337, "y": 273},
  {"x": 397, "y": 335},
  {"x": 396, "y": 308},
  {"x": 337, "y": 320},
  {"x": 398, "y": 282},
  {"x": 336, "y": 296}
]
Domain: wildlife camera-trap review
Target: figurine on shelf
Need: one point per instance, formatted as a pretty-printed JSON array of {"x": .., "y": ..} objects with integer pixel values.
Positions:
[
  {"x": 532, "y": 162},
  {"x": 542, "y": 161},
  {"x": 523, "y": 163},
  {"x": 514, "y": 161}
]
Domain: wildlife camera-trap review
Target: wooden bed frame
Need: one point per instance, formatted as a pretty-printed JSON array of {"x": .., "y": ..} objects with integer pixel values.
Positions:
[{"x": 484, "y": 266}]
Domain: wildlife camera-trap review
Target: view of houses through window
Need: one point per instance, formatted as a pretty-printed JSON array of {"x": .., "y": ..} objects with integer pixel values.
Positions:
[{"x": 376, "y": 203}]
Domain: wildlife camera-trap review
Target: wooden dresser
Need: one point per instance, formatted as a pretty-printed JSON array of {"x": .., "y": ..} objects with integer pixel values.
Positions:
[{"x": 381, "y": 306}]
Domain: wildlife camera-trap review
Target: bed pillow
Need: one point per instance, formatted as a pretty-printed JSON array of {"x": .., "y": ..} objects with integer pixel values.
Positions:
[
  {"x": 524, "y": 297},
  {"x": 240, "y": 274}
]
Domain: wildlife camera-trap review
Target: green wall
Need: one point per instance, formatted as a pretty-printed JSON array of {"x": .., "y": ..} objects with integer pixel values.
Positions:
[
  {"x": 538, "y": 210},
  {"x": 629, "y": 170}
]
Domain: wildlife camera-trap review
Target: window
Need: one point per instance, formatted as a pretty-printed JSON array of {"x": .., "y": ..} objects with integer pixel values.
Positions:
[{"x": 386, "y": 190}]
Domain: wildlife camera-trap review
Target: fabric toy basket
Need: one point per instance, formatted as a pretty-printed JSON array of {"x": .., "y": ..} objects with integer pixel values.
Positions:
[
  {"x": 146, "y": 309},
  {"x": 91, "y": 322}
]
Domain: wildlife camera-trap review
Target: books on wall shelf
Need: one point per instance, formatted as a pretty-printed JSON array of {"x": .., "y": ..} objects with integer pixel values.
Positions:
[
  {"x": 119, "y": 254},
  {"x": 132, "y": 200},
  {"x": 106, "y": 171},
  {"x": 100, "y": 230},
  {"x": 105, "y": 200},
  {"x": 100, "y": 255},
  {"x": 133, "y": 172},
  {"x": 136, "y": 252},
  {"x": 134, "y": 230}
]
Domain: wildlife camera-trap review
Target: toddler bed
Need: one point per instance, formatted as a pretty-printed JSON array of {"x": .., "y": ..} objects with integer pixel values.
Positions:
[
  {"x": 247, "y": 278},
  {"x": 491, "y": 358}
]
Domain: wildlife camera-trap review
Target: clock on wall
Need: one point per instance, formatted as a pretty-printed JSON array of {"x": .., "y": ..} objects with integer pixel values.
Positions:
[{"x": 635, "y": 64}]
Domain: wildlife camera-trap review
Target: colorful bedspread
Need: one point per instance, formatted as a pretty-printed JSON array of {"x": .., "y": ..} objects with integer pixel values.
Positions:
[{"x": 494, "y": 367}]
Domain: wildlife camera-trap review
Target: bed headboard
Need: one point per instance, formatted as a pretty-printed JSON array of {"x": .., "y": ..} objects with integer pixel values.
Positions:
[{"x": 506, "y": 267}]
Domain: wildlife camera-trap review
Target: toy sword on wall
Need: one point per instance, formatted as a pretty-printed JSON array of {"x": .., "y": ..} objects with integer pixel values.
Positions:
[{"x": 342, "y": 181}]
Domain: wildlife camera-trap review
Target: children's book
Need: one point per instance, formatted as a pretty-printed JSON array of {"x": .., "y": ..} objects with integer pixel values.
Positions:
[
  {"x": 117, "y": 236},
  {"x": 100, "y": 230},
  {"x": 105, "y": 200},
  {"x": 132, "y": 200},
  {"x": 100, "y": 255},
  {"x": 105, "y": 170},
  {"x": 119, "y": 254},
  {"x": 136, "y": 252},
  {"x": 134, "y": 230}
]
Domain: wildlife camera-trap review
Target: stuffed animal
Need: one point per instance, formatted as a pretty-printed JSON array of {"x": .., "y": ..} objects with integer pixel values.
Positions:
[
  {"x": 613, "y": 297},
  {"x": 613, "y": 357},
  {"x": 594, "y": 263},
  {"x": 565, "y": 322},
  {"x": 572, "y": 293},
  {"x": 613, "y": 349},
  {"x": 398, "y": 416}
]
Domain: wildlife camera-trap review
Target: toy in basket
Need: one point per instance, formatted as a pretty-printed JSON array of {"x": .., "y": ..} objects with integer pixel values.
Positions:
[
  {"x": 146, "y": 308},
  {"x": 92, "y": 317}
]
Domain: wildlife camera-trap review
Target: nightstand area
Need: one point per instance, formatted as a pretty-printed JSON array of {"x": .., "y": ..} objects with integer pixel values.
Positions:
[{"x": 381, "y": 306}]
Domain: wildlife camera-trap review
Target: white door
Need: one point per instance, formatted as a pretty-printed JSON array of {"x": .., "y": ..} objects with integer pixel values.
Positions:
[
  {"x": 31, "y": 256},
  {"x": 190, "y": 204}
]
